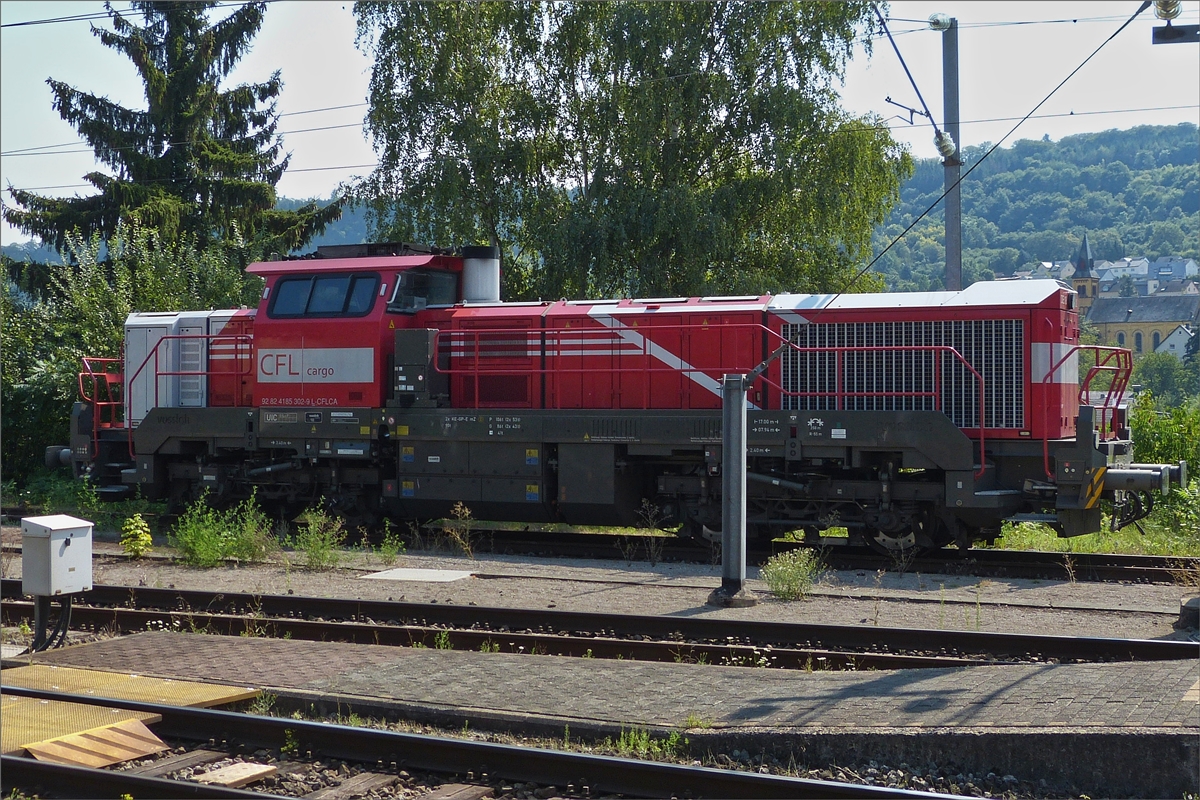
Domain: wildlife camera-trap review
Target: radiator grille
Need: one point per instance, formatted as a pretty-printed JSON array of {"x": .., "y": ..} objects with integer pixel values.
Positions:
[{"x": 996, "y": 348}]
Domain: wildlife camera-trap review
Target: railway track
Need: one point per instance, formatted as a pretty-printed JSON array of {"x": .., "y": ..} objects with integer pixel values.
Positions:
[
  {"x": 836, "y": 554},
  {"x": 459, "y": 762},
  {"x": 581, "y": 634},
  {"x": 839, "y": 555}
]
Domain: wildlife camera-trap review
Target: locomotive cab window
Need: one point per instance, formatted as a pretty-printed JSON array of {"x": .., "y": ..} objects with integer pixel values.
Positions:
[
  {"x": 420, "y": 288},
  {"x": 339, "y": 295}
]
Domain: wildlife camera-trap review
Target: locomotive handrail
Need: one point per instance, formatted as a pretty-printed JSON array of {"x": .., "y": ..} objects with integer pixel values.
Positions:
[
  {"x": 1122, "y": 370},
  {"x": 238, "y": 338},
  {"x": 110, "y": 379},
  {"x": 540, "y": 341}
]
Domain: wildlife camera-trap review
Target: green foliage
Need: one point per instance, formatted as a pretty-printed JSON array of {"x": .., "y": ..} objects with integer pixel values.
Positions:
[
  {"x": 198, "y": 161},
  {"x": 628, "y": 148},
  {"x": 392, "y": 545},
  {"x": 135, "y": 537},
  {"x": 48, "y": 329},
  {"x": 639, "y": 743},
  {"x": 1161, "y": 537},
  {"x": 1134, "y": 192},
  {"x": 1168, "y": 379},
  {"x": 1163, "y": 436},
  {"x": 791, "y": 575},
  {"x": 205, "y": 537},
  {"x": 457, "y": 528},
  {"x": 320, "y": 537}
]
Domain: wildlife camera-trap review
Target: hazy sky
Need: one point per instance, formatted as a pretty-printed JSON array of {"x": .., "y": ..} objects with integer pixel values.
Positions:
[{"x": 1006, "y": 68}]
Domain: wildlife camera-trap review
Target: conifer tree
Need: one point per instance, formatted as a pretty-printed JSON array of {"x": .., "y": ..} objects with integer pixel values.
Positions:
[{"x": 199, "y": 162}]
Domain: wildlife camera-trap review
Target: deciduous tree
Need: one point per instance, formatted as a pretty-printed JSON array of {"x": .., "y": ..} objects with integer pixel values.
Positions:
[{"x": 628, "y": 148}]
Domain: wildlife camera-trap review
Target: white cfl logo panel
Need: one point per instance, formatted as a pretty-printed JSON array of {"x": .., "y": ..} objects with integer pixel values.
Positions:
[{"x": 995, "y": 348}]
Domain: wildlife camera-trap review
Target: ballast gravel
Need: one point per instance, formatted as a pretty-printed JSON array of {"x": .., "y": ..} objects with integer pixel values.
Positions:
[{"x": 841, "y": 597}]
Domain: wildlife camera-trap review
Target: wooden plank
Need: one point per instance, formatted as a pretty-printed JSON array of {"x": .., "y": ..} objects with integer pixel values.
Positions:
[
  {"x": 100, "y": 747},
  {"x": 236, "y": 775},
  {"x": 359, "y": 785},
  {"x": 27, "y": 719},
  {"x": 459, "y": 791},
  {"x": 166, "y": 766}
]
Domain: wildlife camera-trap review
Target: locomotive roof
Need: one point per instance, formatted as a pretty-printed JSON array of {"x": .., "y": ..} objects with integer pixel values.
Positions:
[
  {"x": 984, "y": 293},
  {"x": 310, "y": 265}
]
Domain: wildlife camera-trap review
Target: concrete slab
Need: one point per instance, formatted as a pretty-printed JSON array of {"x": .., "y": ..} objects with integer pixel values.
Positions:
[{"x": 421, "y": 575}]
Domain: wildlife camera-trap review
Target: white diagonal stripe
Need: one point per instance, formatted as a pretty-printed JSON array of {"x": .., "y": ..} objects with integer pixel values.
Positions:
[{"x": 659, "y": 352}]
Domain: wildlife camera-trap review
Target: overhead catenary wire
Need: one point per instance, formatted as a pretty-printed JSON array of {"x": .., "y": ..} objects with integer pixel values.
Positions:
[
  {"x": 847, "y": 129},
  {"x": 97, "y": 15},
  {"x": 77, "y": 142},
  {"x": 1145, "y": 4},
  {"x": 900, "y": 56}
]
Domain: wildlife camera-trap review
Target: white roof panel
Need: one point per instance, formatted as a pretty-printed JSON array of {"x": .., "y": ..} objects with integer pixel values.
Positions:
[{"x": 984, "y": 293}]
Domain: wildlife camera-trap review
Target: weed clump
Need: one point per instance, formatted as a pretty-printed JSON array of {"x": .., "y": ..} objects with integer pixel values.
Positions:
[
  {"x": 135, "y": 537},
  {"x": 791, "y": 575},
  {"x": 457, "y": 529},
  {"x": 392, "y": 546},
  {"x": 205, "y": 537},
  {"x": 320, "y": 537}
]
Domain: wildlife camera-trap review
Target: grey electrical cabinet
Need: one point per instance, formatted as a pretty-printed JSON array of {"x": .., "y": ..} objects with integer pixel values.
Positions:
[{"x": 56, "y": 555}]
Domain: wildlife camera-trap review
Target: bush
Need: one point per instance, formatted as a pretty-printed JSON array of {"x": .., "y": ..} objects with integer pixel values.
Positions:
[
  {"x": 135, "y": 537},
  {"x": 205, "y": 537},
  {"x": 320, "y": 538},
  {"x": 791, "y": 575}
]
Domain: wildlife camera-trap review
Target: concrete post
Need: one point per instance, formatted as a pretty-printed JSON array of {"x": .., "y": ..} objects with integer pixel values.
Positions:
[
  {"x": 732, "y": 592},
  {"x": 953, "y": 276}
]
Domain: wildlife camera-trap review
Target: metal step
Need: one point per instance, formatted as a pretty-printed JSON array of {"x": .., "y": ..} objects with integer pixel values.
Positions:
[
  {"x": 116, "y": 492},
  {"x": 1033, "y": 518}
]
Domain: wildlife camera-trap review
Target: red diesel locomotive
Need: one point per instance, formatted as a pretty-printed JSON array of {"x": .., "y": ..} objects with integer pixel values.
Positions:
[{"x": 391, "y": 380}]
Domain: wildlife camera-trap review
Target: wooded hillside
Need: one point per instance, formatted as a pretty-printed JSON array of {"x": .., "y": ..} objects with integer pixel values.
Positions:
[{"x": 1135, "y": 192}]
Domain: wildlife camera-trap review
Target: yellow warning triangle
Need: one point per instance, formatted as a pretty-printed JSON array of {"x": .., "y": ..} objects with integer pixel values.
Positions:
[{"x": 392, "y": 324}]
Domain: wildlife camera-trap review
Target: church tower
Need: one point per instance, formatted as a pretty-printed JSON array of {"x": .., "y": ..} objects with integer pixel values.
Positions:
[{"x": 1085, "y": 281}]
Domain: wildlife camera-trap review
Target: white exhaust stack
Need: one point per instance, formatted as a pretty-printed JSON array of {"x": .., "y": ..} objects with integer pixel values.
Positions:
[{"x": 481, "y": 274}]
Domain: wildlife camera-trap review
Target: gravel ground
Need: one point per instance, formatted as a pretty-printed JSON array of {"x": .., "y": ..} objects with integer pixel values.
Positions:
[{"x": 1122, "y": 610}]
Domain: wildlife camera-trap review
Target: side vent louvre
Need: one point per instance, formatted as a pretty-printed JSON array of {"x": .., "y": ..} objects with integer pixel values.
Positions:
[{"x": 878, "y": 380}]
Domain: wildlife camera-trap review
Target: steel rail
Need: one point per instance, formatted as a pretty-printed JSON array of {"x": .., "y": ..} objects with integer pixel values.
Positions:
[
  {"x": 457, "y": 756},
  {"x": 65, "y": 780},
  {"x": 126, "y": 620},
  {"x": 666, "y": 628},
  {"x": 983, "y": 562}
]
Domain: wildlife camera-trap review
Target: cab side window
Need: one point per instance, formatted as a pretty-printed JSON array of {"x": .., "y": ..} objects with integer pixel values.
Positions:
[
  {"x": 339, "y": 295},
  {"x": 421, "y": 288}
]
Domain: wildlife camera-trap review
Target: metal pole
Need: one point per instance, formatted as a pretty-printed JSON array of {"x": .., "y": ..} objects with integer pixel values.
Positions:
[
  {"x": 732, "y": 591},
  {"x": 953, "y": 278}
]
